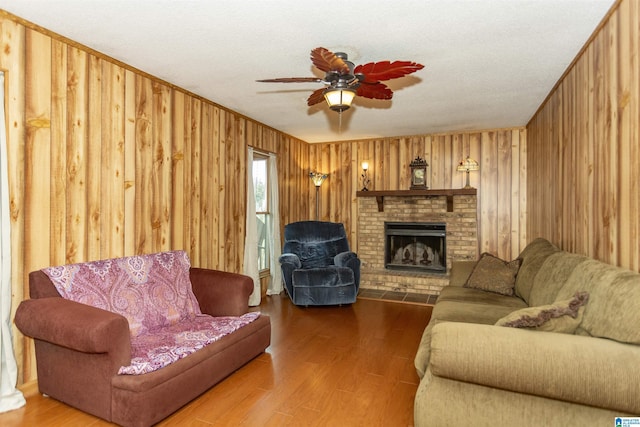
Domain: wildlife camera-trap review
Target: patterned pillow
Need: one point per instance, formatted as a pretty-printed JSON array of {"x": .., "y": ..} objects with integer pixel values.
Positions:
[
  {"x": 151, "y": 291},
  {"x": 561, "y": 316},
  {"x": 493, "y": 274}
]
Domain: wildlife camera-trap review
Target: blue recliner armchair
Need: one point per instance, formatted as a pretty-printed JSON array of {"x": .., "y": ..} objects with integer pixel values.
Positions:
[{"x": 318, "y": 266}]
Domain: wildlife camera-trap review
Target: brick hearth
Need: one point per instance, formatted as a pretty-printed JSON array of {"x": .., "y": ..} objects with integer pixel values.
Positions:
[{"x": 457, "y": 211}]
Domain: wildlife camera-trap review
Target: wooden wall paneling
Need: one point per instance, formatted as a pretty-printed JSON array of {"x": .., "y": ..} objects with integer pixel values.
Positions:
[
  {"x": 207, "y": 225},
  {"x": 307, "y": 202},
  {"x": 76, "y": 150},
  {"x": 380, "y": 180},
  {"x": 143, "y": 227},
  {"x": 449, "y": 165},
  {"x": 456, "y": 179},
  {"x": 94, "y": 159},
  {"x": 38, "y": 153},
  {"x": 237, "y": 176},
  {"x": 112, "y": 170},
  {"x": 39, "y": 183},
  {"x": 223, "y": 137},
  {"x": 314, "y": 164},
  {"x": 625, "y": 227},
  {"x": 598, "y": 135},
  {"x": 354, "y": 185},
  {"x": 437, "y": 161},
  {"x": 515, "y": 196},
  {"x": 195, "y": 177},
  {"x": 177, "y": 208},
  {"x": 330, "y": 188},
  {"x": 161, "y": 169},
  {"x": 593, "y": 114},
  {"x": 565, "y": 166},
  {"x": 326, "y": 167},
  {"x": 504, "y": 192},
  {"x": 393, "y": 162},
  {"x": 630, "y": 130},
  {"x": 612, "y": 141},
  {"x": 129, "y": 174},
  {"x": 58, "y": 153},
  {"x": 297, "y": 173},
  {"x": 583, "y": 162},
  {"x": 405, "y": 153},
  {"x": 347, "y": 193},
  {"x": 12, "y": 61},
  {"x": 285, "y": 177},
  {"x": 488, "y": 204}
]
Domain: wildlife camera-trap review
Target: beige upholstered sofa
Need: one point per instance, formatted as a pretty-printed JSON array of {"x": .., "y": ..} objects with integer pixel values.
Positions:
[
  {"x": 142, "y": 336},
  {"x": 476, "y": 373}
]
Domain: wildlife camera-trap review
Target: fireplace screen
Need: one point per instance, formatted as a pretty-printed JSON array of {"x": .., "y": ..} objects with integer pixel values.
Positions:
[{"x": 417, "y": 246}]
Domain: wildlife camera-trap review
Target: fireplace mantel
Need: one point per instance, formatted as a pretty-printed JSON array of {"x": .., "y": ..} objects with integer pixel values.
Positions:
[{"x": 449, "y": 193}]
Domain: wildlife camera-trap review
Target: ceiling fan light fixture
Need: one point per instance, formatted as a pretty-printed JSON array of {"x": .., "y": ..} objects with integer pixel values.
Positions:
[{"x": 339, "y": 99}]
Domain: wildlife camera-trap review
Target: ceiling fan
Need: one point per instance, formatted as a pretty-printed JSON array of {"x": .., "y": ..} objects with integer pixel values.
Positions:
[{"x": 345, "y": 81}]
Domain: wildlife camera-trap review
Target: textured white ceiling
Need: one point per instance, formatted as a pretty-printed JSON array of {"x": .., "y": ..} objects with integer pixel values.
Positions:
[{"x": 488, "y": 63}]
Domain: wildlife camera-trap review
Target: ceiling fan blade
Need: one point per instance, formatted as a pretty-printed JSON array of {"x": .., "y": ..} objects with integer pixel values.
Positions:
[
  {"x": 327, "y": 61},
  {"x": 386, "y": 70},
  {"x": 292, "y": 80},
  {"x": 316, "y": 97},
  {"x": 374, "y": 91}
]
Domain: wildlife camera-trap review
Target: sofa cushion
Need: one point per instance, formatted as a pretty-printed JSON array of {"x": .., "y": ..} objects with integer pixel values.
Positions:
[
  {"x": 493, "y": 274},
  {"x": 477, "y": 296},
  {"x": 532, "y": 256},
  {"x": 613, "y": 311},
  {"x": 150, "y": 291},
  {"x": 561, "y": 316},
  {"x": 155, "y": 350},
  {"x": 551, "y": 278}
]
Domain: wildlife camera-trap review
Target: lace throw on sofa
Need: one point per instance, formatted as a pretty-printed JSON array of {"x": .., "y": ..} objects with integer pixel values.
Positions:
[
  {"x": 153, "y": 292},
  {"x": 150, "y": 291},
  {"x": 152, "y": 351}
]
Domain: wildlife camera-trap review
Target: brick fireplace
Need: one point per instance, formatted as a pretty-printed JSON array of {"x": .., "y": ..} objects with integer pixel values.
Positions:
[{"x": 455, "y": 209}]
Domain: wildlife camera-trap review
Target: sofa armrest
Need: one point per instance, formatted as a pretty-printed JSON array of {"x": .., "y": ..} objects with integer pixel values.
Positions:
[
  {"x": 585, "y": 370},
  {"x": 221, "y": 293},
  {"x": 292, "y": 259},
  {"x": 76, "y": 326}
]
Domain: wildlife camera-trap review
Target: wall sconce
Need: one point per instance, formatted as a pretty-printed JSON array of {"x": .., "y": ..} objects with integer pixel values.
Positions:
[
  {"x": 468, "y": 165},
  {"x": 318, "y": 178},
  {"x": 365, "y": 177}
]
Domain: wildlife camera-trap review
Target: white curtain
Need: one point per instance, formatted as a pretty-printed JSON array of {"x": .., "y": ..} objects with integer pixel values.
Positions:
[
  {"x": 10, "y": 397},
  {"x": 275, "y": 249},
  {"x": 251, "y": 268}
]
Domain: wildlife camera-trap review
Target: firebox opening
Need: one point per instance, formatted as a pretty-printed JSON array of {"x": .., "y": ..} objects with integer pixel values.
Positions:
[{"x": 416, "y": 246}]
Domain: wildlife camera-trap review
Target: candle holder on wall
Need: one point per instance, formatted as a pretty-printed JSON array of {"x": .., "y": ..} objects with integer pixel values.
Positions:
[{"x": 365, "y": 177}]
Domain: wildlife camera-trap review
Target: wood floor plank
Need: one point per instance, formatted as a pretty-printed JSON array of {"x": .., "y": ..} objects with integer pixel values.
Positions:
[{"x": 326, "y": 366}]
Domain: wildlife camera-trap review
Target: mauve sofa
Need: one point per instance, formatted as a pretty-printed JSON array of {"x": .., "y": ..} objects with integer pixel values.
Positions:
[
  {"x": 80, "y": 349},
  {"x": 474, "y": 372}
]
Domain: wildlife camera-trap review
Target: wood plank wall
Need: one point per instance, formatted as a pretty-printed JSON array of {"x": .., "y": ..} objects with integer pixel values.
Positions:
[
  {"x": 106, "y": 161},
  {"x": 584, "y": 147},
  {"x": 501, "y": 180}
]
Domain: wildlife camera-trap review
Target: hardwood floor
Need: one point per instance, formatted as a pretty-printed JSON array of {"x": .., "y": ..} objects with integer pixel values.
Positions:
[{"x": 326, "y": 366}]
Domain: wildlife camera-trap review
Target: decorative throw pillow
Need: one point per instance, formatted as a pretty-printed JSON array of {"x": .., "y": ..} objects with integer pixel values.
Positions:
[
  {"x": 493, "y": 274},
  {"x": 561, "y": 316}
]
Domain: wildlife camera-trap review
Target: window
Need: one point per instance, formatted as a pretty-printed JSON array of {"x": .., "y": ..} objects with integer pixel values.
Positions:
[{"x": 261, "y": 192}]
